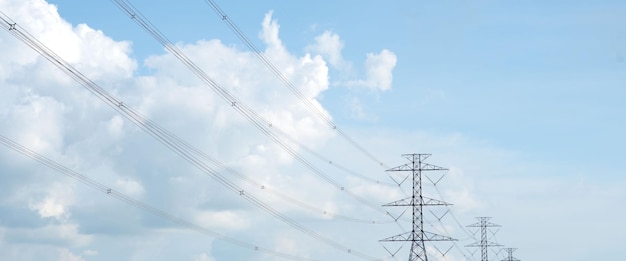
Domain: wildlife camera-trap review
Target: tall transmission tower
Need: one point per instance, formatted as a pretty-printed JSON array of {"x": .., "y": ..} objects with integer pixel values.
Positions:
[
  {"x": 483, "y": 223},
  {"x": 417, "y": 236},
  {"x": 510, "y": 252}
]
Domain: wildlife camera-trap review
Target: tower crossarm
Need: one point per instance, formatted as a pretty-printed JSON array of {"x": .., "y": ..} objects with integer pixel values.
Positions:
[
  {"x": 484, "y": 222},
  {"x": 436, "y": 237},
  {"x": 422, "y": 167},
  {"x": 424, "y": 201},
  {"x": 407, "y": 236},
  {"x": 417, "y": 236},
  {"x": 487, "y": 244},
  {"x": 410, "y": 236}
]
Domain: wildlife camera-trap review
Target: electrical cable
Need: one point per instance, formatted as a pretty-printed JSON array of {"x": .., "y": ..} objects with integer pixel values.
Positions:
[
  {"x": 253, "y": 117},
  {"x": 449, "y": 209},
  {"x": 136, "y": 203},
  {"x": 118, "y": 105},
  {"x": 277, "y": 72}
]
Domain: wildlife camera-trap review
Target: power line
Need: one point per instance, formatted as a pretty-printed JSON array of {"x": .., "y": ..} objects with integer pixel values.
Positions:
[
  {"x": 331, "y": 162},
  {"x": 262, "y": 187},
  {"x": 163, "y": 136},
  {"x": 282, "y": 196},
  {"x": 277, "y": 72},
  {"x": 138, "y": 204},
  {"x": 468, "y": 255},
  {"x": 252, "y": 116},
  {"x": 456, "y": 221}
]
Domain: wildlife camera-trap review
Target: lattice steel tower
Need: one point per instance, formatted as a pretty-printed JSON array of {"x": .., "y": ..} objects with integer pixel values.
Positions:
[
  {"x": 510, "y": 252},
  {"x": 483, "y": 224},
  {"x": 417, "y": 236}
]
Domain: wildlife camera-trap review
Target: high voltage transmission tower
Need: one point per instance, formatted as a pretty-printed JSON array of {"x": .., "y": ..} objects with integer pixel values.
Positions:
[
  {"x": 510, "y": 252},
  {"x": 483, "y": 223},
  {"x": 417, "y": 236}
]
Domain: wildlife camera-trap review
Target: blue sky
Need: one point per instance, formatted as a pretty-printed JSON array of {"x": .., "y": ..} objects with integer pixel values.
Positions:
[
  {"x": 552, "y": 69},
  {"x": 523, "y": 101}
]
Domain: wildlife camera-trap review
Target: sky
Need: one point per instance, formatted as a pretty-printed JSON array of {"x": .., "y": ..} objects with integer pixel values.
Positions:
[{"x": 522, "y": 102}]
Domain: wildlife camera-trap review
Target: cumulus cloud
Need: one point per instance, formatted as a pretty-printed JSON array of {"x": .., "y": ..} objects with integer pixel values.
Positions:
[
  {"x": 203, "y": 257},
  {"x": 379, "y": 71},
  {"x": 49, "y": 208},
  {"x": 44, "y": 110},
  {"x": 36, "y": 122},
  {"x": 65, "y": 235},
  {"x": 359, "y": 111},
  {"x": 378, "y": 66},
  {"x": 224, "y": 219},
  {"x": 44, "y": 215},
  {"x": 329, "y": 46},
  {"x": 90, "y": 252},
  {"x": 269, "y": 34},
  {"x": 129, "y": 186},
  {"x": 96, "y": 55},
  {"x": 67, "y": 255}
]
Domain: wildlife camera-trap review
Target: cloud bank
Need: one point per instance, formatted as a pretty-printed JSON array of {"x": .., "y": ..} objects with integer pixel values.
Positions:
[
  {"x": 47, "y": 216},
  {"x": 43, "y": 109},
  {"x": 378, "y": 66}
]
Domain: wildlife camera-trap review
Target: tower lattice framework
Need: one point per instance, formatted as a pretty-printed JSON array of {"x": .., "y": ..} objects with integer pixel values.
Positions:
[
  {"x": 483, "y": 223},
  {"x": 417, "y": 236},
  {"x": 510, "y": 254}
]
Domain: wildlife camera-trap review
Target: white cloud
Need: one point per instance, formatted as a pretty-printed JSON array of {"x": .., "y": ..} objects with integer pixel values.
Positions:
[
  {"x": 379, "y": 71},
  {"x": 49, "y": 208},
  {"x": 46, "y": 111},
  {"x": 269, "y": 34},
  {"x": 378, "y": 66},
  {"x": 203, "y": 257},
  {"x": 359, "y": 112},
  {"x": 56, "y": 203},
  {"x": 43, "y": 109},
  {"x": 95, "y": 54},
  {"x": 90, "y": 252},
  {"x": 67, "y": 255},
  {"x": 129, "y": 187},
  {"x": 329, "y": 46},
  {"x": 437, "y": 253},
  {"x": 36, "y": 122},
  {"x": 67, "y": 235},
  {"x": 224, "y": 219},
  {"x": 116, "y": 125}
]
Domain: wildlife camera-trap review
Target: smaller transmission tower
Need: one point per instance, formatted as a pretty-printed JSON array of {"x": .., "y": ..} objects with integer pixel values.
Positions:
[
  {"x": 417, "y": 236},
  {"x": 483, "y": 224},
  {"x": 510, "y": 252}
]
